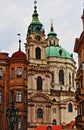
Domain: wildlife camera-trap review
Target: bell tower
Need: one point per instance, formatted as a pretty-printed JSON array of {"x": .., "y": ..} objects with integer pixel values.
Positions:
[
  {"x": 35, "y": 41},
  {"x": 38, "y": 73}
]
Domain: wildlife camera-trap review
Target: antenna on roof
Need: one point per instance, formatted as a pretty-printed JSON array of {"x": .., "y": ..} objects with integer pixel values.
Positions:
[{"x": 19, "y": 42}]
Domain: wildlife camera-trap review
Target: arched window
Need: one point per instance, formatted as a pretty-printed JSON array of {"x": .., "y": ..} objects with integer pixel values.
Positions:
[
  {"x": 73, "y": 79},
  {"x": 38, "y": 53},
  {"x": 39, "y": 83},
  {"x": 61, "y": 77},
  {"x": 54, "y": 122},
  {"x": 69, "y": 79},
  {"x": 70, "y": 107},
  {"x": 39, "y": 113}
]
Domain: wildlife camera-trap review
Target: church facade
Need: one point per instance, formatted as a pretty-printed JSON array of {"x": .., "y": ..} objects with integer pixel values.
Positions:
[
  {"x": 51, "y": 77},
  {"x": 42, "y": 80}
]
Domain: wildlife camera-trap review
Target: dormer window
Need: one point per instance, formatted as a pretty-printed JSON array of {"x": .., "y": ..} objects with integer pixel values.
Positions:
[
  {"x": 19, "y": 71},
  {"x": 0, "y": 72}
]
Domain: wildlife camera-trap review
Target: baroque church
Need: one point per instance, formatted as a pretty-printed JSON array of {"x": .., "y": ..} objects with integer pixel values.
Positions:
[{"x": 41, "y": 81}]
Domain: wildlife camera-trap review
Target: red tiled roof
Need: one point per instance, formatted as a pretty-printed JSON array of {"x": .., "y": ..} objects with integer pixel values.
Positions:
[
  {"x": 19, "y": 55},
  {"x": 44, "y": 127},
  {"x": 3, "y": 56},
  {"x": 71, "y": 124}
]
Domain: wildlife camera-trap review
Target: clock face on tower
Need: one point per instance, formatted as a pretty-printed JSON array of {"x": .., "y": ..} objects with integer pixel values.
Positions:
[
  {"x": 37, "y": 29},
  {"x": 38, "y": 38}
]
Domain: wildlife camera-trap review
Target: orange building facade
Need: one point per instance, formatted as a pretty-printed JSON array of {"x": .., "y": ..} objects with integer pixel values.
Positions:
[{"x": 13, "y": 78}]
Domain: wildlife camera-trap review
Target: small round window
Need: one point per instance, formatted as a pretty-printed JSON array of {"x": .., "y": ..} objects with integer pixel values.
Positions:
[{"x": 60, "y": 52}]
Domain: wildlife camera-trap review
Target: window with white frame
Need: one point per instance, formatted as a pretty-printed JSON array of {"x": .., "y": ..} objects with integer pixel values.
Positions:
[
  {"x": 18, "y": 96},
  {"x": 19, "y": 71}
]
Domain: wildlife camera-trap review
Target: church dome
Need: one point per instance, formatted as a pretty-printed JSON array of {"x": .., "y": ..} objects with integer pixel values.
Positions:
[
  {"x": 19, "y": 55},
  {"x": 53, "y": 49},
  {"x": 57, "y": 51}
]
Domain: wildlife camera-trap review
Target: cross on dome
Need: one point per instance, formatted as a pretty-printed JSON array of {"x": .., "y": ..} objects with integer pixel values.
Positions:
[{"x": 35, "y": 3}]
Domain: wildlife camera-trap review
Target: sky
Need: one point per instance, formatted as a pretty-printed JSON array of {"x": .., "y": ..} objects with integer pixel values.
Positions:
[{"x": 16, "y": 15}]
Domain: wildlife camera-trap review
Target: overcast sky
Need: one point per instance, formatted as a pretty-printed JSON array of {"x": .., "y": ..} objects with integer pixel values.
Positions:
[{"x": 16, "y": 15}]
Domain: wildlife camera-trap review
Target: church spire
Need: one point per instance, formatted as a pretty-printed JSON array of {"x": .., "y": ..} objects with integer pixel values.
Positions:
[
  {"x": 35, "y": 14},
  {"x": 52, "y": 33}
]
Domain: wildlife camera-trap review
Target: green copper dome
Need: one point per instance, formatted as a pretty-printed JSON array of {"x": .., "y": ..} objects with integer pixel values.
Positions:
[
  {"x": 57, "y": 51},
  {"x": 35, "y": 26},
  {"x": 53, "y": 49}
]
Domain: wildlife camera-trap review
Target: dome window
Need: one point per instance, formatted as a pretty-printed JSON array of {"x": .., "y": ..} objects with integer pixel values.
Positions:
[
  {"x": 61, "y": 77},
  {"x": 69, "y": 79},
  {"x": 60, "y": 52}
]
